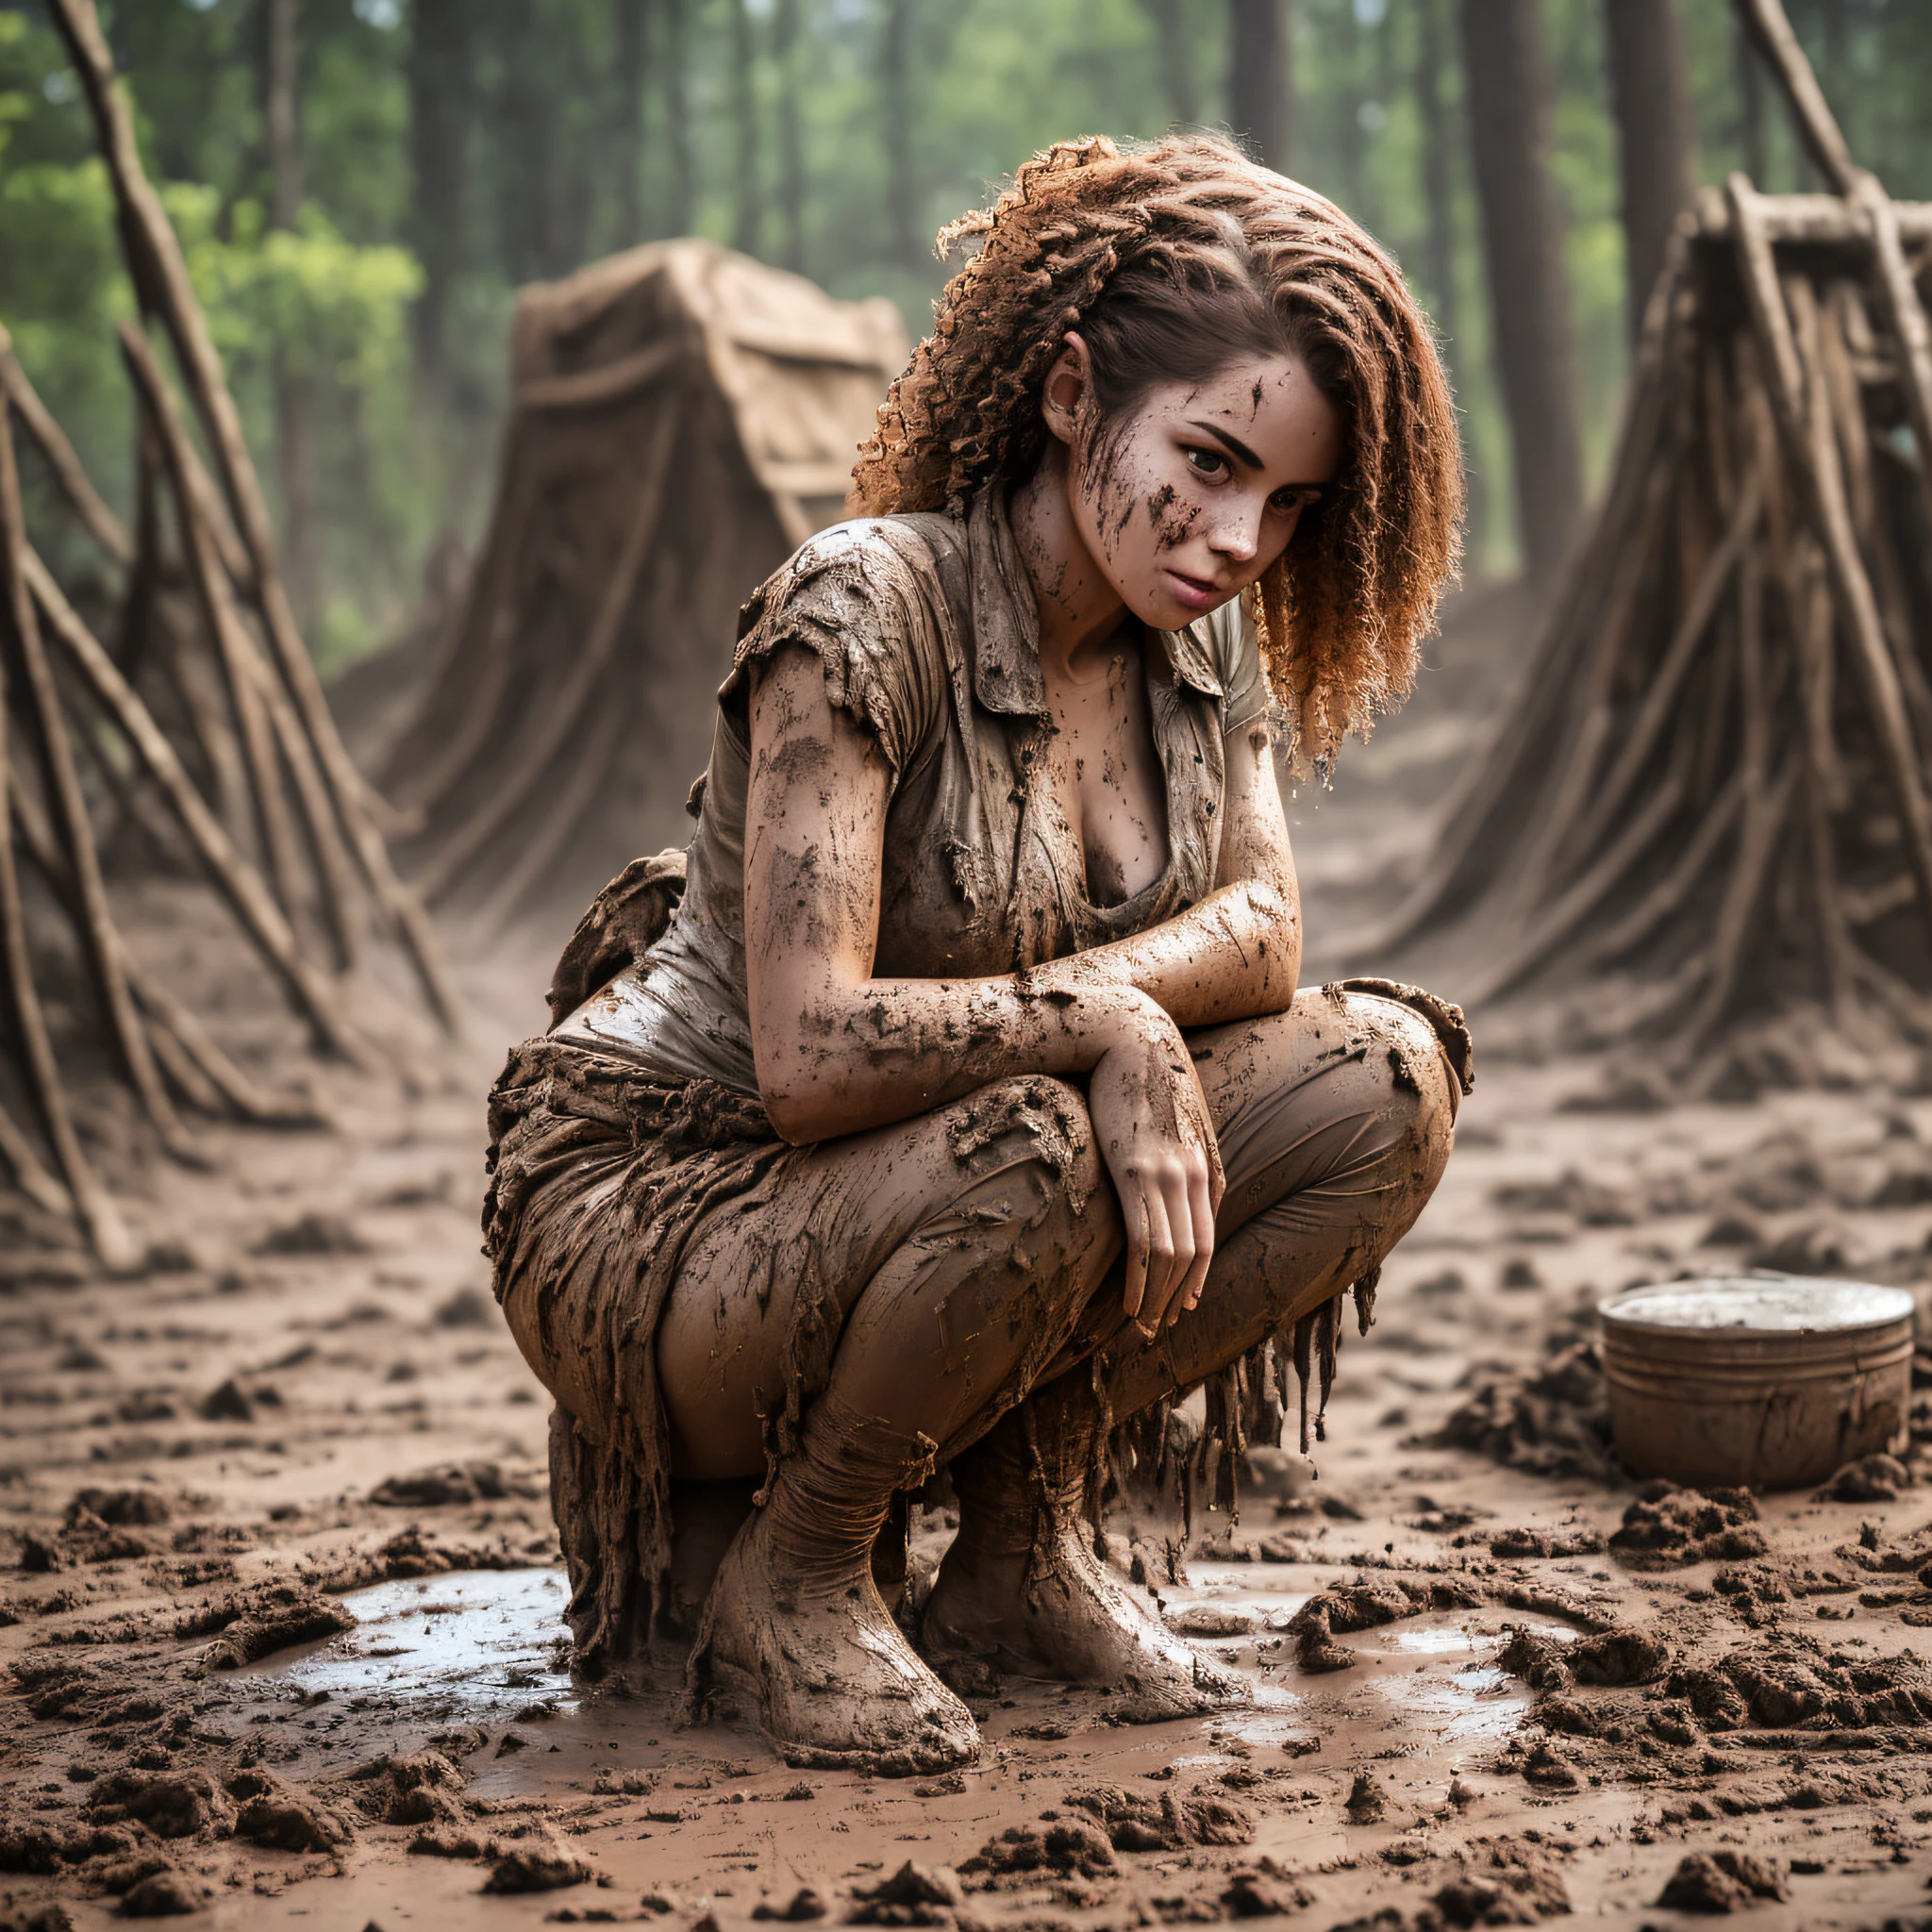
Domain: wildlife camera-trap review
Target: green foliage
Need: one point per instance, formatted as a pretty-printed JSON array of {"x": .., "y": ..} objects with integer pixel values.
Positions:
[
  {"x": 567, "y": 117},
  {"x": 302, "y": 300}
]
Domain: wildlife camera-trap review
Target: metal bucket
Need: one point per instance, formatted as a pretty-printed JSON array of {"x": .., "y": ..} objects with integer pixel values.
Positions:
[{"x": 1767, "y": 1381}]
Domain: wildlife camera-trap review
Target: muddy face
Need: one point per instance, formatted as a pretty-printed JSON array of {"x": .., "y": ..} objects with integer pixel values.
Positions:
[{"x": 1183, "y": 502}]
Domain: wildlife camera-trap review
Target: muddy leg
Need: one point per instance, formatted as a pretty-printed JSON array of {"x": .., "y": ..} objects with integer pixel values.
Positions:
[
  {"x": 1335, "y": 1123},
  {"x": 1004, "y": 1226},
  {"x": 1021, "y": 1587},
  {"x": 796, "y": 1618},
  {"x": 1336, "y": 1126}
]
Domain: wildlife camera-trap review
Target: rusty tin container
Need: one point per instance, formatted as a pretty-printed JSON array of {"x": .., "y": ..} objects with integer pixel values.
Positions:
[{"x": 1770, "y": 1380}]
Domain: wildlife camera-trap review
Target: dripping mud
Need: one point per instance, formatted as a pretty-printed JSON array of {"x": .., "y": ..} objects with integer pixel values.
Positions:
[{"x": 284, "y": 1638}]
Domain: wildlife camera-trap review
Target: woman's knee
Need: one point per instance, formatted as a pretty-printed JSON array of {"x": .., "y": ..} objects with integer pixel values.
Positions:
[
  {"x": 1033, "y": 1122},
  {"x": 1418, "y": 1091}
]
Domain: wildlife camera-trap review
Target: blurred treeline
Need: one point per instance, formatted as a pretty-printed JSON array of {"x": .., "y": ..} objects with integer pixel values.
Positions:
[{"x": 361, "y": 184}]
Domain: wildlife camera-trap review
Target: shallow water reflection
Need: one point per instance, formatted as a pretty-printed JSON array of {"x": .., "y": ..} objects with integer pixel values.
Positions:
[{"x": 487, "y": 1638}]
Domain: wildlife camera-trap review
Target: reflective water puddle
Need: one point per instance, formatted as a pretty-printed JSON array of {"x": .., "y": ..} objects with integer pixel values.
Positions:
[{"x": 494, "y": 1639}]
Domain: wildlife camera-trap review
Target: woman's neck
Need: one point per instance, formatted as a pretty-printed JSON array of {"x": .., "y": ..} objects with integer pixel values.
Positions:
[{"x": 1079, "y": 611}]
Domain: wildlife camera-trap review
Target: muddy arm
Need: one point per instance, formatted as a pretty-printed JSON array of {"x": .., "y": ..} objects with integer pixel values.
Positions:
[{"x": 839, "y": 1051}]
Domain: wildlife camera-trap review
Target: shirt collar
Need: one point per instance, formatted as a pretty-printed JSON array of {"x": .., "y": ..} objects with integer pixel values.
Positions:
[{"x": 1005, "y": 621}]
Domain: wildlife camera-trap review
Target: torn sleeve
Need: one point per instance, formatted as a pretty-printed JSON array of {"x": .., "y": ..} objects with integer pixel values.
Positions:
[{"x": 849, "y": 597}]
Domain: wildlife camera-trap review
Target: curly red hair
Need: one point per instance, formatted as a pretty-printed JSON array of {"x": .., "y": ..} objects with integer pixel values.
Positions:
[{"x": 1107, "y": 240}]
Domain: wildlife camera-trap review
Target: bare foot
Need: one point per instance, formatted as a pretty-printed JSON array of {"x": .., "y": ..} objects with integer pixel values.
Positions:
[
  {"x": 836, "y": 1684},
  {"x": 1066, "y": 1616}
]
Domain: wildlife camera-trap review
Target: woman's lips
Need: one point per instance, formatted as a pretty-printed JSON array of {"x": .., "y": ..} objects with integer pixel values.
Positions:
[{"x": 1194, "y": 593}]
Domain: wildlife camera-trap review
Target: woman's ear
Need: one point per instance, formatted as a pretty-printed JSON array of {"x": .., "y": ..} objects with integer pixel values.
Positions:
[{"x": 1067, "y": 386}]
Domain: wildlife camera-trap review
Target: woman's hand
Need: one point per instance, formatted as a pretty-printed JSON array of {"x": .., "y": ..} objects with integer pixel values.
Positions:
[{"x": 1152, "y": 1122}]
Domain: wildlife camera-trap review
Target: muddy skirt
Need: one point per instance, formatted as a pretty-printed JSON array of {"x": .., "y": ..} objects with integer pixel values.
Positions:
[{"x": 598, "y": 1180}]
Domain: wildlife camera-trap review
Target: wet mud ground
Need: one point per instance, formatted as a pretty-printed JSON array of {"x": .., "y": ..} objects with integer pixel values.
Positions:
[{"x": 280, "y": 1611}]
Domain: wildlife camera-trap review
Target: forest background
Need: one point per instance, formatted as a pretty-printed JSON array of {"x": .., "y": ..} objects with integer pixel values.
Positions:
[{"x": 362, "y": 185}]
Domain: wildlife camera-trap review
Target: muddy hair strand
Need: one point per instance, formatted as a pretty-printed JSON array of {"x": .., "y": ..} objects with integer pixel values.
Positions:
[{"x": 1175, "y": 259}]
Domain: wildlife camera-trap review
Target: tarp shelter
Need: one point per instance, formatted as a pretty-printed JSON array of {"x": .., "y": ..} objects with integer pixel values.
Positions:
[{"x": 682, "y": 419}]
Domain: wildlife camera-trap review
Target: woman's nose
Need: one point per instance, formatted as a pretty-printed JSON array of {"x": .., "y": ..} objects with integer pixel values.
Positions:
[{"x": 1237, "y": 533}]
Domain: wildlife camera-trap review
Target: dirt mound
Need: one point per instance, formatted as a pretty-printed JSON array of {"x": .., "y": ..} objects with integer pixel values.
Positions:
[
  {"x": 1552, "y": 1421},
  {"x": 1668, "y": 1527},
  {"x": 255, "y": 1623},
  {"x": 1723, "y": 1881},
  {"x": 421, "y": 1790},
  {"x": 1514, "y": 1885},
  {"x": 539, "y": 1861},
  {"x": 1139, "y": 1821},
  {"x": 274, "y": 1814},
  {"x": 170, "y": 1804},
  {"x": 1020, "y": 1855},
  {"x": 915, "y": 1894}
]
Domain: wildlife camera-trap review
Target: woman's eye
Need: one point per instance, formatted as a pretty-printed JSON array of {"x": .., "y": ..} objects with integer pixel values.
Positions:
[
  {"x": 1285, "y": 500},
  {"x": 1208, "y": 463}
]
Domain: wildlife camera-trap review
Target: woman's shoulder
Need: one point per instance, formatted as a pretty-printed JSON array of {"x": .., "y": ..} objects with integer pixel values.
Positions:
[
  {"x": 862, "y": 566},
  {"x": 868, "y": 597}
]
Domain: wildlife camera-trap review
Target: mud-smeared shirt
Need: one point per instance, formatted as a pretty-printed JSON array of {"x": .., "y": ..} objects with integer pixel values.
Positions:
[{"x": 928, "y": 633}]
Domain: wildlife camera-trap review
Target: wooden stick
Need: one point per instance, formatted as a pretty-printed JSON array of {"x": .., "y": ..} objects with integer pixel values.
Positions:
[
  {"x": 1660, "y": 695},
  {"x": 428, "y": 760},
  {"x": 1584, "y": 896},
  {"x": 1815, "y": 461},
  {"x": 1669, "y": 894},
  {"x": 99, "y": 1218},
  {"x": 29, "y": 1173},
  {"x": 1869, "y": 512},
  {"x": 161, "y": 277},
  {"x": 238, "y": 881},
  {"x": 571, "y": 799},
  {"x": 1809, "y": 221},
  {"x": 37, "y": 836},
  {"x": 1769, "y": 31},
  {"x": 561, "y": 718},
  {"x": 224, "y": 625},
  {"x": 1824, "y": 141},
  {"x": 1581, "y": 755},
  {"x": 93, "y": 922},
  {"x": 189, "y": 1055},
  {"x": 57, "y": 454},
  {"x": 261, "y": 706}
]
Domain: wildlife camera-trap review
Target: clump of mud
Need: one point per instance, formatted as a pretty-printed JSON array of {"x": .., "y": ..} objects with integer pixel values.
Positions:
[
  {"x": 255, "y": 1623},
  {"x": 1668, "y": 1527},
  {"x": 1139, "y": 1821},
  {"x": 1722, "y": 1881},
  {"x": 1552, "y": 1421},
  {"x": 1351, "y": 1606}
]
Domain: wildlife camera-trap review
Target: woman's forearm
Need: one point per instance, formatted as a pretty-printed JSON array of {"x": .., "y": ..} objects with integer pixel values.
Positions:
[
  {"x": 1235, "y": 954},
  {"x": 885, "y": 1049}
]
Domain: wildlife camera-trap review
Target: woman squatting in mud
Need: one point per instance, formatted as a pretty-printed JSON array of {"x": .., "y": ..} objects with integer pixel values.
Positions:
[{"x": 967, "y": 1105}]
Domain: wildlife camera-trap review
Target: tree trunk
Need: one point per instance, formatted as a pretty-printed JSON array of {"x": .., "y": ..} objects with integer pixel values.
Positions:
[
  {"x": 1511, "y": 104},
  {"x": 627, "y": 119},
  {"x": 1260, "y": 78},
  {"x": 1750, "y": 105},
  {"x": 295, "y": 392},
  {"x": 676, "y": 56},
  {"x": 1439, "y": 165},
  {"x": 748, "y": 216},
  {"x": 1656, "y": 136},
  {"x": 790, "y": 134},
  {"x": 524, "y": 146},
  {"x": 1175, "y": 42},
  {"x": 896, "y": 83},
  {"x": 439, "y": 116}
]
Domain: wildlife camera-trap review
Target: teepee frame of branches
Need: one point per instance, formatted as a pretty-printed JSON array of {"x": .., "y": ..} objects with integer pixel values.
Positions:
[
  {"x": 1714, "y": 783},
  {"x": 238, "y": 756}
]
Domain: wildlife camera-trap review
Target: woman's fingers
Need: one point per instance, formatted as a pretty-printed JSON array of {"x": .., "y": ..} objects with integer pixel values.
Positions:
[
  {"x": 1134, "y": 1217},
  {"x": 1201, "y": 1206},
  {"x": 1160, "y": 1256}
]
